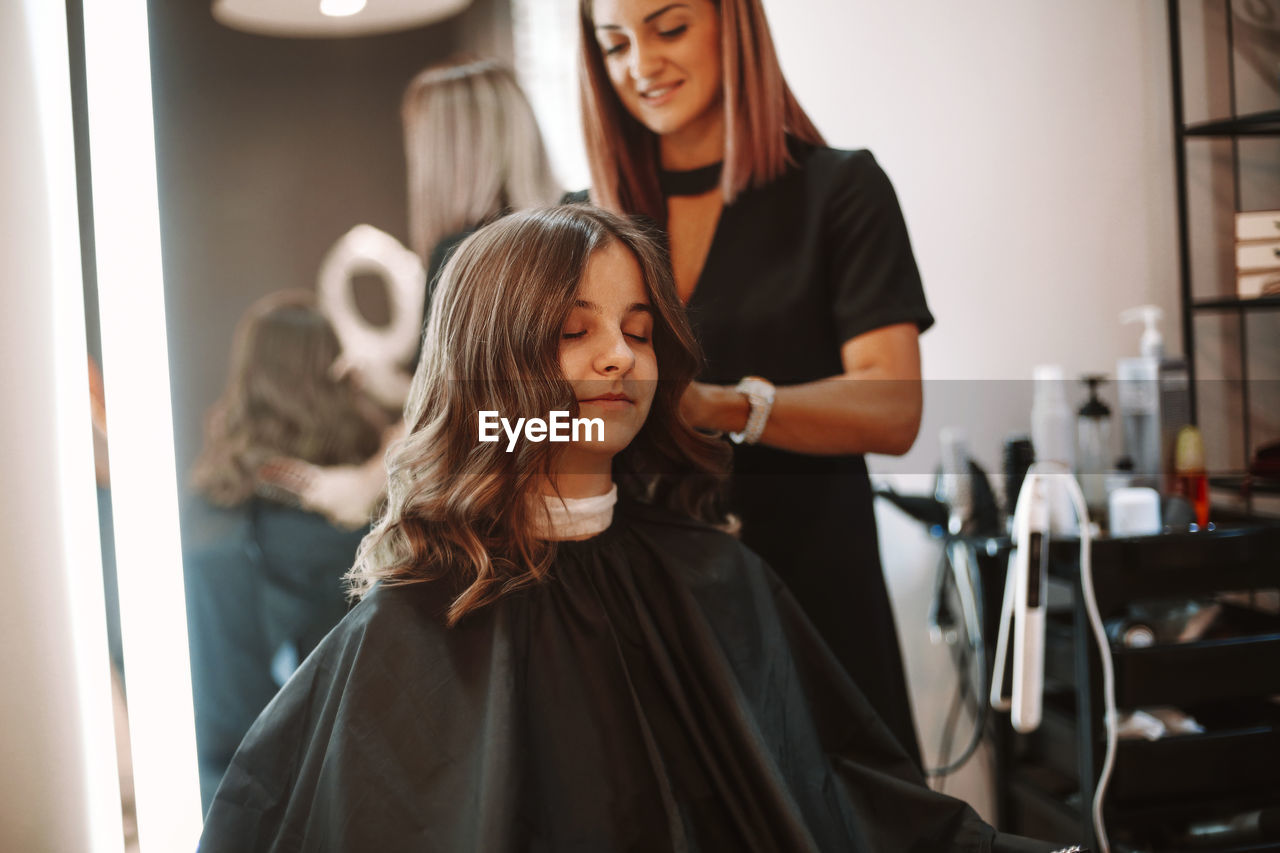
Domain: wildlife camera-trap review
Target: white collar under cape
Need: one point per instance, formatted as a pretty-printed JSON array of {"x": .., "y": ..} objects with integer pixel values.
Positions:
[{"x": 576, "y": 518}]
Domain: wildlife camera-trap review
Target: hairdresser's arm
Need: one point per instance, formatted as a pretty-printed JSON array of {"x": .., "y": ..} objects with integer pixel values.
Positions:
[{"x": 873, "y": 407}]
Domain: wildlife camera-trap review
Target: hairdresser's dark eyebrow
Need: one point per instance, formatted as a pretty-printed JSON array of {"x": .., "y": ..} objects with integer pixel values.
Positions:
[
  {"x": 647, "y": 18},
  {"x": 635, "y": 307}
]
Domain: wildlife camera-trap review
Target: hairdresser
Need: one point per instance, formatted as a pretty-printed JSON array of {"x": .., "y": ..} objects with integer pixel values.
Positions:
[{"x": 794, "y": 263}]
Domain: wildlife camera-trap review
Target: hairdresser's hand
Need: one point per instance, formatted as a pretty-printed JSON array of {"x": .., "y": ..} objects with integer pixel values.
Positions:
[
  {"x": 715, "y": 408},
  {"x": 344, "y": 494},
  {"x": 384, "y": 382}
]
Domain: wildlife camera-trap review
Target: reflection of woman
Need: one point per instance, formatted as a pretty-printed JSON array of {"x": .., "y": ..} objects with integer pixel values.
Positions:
[
  {"x": 473, "y": 151},
  {"x": 592, "y": 671},
  {"x": 264, "y": 580},
  {"x": 794, "y": 262}
]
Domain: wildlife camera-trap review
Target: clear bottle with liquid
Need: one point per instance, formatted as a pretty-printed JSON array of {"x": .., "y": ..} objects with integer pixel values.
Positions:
[
  {"x": 1093, "y": 447},
  {"x": 1053, "y": 434}
]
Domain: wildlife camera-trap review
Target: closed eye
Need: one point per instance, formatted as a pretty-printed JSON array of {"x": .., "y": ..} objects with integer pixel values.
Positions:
[
  {"x": 674, "y": 32},
  {"x": 575, "y": 334},
  {"x": 611, "y": 50},
  {"x": 640, "y": 339}
]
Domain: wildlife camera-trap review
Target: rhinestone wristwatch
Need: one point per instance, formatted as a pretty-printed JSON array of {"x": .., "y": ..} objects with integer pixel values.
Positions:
[{"x": 759, "y": 393}]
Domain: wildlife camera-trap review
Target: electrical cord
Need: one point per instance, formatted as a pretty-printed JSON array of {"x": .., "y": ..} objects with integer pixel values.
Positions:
[
  {"x": 1104, "y": 653},
  {"x": 948, "y": 728},
  {"x": 964, "y": 692},
  {"x": 975, "y": 649},
  {"x": 1056, "y": 474},
  {"x": 957, "y": 566}
]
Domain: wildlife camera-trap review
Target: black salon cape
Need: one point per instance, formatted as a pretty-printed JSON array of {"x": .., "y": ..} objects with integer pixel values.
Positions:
[
  {"x": 661, "y": 691},
  {"x": 261, "y": 580}
]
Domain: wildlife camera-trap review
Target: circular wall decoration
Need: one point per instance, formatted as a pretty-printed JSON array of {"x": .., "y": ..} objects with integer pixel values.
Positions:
[{"x": 377, "y": 353}]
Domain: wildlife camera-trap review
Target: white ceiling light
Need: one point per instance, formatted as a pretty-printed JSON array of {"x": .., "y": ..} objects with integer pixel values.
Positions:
[
  {"x": 340, "y": 8},
  {"x": 332, "y": 18}
]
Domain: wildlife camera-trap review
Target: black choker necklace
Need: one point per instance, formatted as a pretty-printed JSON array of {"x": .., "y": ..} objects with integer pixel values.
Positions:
[{"x": 691, "y": 182}]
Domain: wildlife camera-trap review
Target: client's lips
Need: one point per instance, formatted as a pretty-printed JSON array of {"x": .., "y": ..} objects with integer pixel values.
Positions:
[{"x": 607, "y": 398}]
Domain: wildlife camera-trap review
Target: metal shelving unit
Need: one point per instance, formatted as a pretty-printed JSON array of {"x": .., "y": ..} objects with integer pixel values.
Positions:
[
  {"x": 1048, "y": 778},
  {"x": 1233, "y": 127},
  {"x": 1257, "y": 124},
  {"x": 1046, "y": 781},
  {"x": 1260, "y": 303}
]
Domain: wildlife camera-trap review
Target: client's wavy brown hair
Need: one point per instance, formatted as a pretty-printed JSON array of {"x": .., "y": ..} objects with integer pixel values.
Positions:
[
  {"x": 282, "y": 401},
  {"x": 462, "y": 510}
]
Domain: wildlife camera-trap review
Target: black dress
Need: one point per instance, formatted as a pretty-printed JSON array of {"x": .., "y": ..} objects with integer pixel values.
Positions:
[
  {"x": 795, "y": 269},
  {"x": 263, "y": 587},
  {"x": 660, "y": 691}
]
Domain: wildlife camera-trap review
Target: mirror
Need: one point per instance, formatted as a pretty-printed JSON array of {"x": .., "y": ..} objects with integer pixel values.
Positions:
[{"x": 269, "y": 151}]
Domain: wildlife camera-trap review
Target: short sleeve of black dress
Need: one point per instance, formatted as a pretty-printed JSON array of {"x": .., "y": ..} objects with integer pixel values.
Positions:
[
  {"x": 874, "y": 278},
  {"x": 801, "y": 265}
]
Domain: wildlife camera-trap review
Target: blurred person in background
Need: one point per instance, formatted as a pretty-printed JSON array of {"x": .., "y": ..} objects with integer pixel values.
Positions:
[
  {"x": 264, "y": 576},
  {"x": 473, "y": 152}
]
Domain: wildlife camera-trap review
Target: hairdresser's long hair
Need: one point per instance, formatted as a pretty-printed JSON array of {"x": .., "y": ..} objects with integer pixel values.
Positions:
[
  {"x": 464, "y": 510},
  {"x": 472, "y": 148},
  {"x": 760, "y": 114},
  {"x": 281, "y": 400}
]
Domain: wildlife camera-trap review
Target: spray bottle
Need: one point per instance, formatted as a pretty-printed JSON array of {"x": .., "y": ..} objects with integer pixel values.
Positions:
[
  {"x": 1152, "y": 342},
  {"x": 1154, "y": 400}
]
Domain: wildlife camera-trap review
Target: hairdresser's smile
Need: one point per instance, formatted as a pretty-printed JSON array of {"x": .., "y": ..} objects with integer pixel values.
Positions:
[{"x": 657, "y": 96}]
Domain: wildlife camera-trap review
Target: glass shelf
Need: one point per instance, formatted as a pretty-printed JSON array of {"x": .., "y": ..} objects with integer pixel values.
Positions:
[
  {"x": 1246, "y": 483},
  {"x": 1256, "y": 124},
  {"x": 1232, "y": 303}
]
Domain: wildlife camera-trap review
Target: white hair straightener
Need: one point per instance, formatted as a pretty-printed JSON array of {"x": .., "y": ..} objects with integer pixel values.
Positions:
[{"x": 1048, "y": 492}]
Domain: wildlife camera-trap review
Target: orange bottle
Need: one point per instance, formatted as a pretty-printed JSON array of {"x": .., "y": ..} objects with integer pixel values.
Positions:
[{"x": 1191, "y": 480}]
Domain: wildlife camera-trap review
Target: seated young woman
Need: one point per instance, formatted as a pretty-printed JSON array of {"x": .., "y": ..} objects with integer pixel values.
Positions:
[{"x": 558, "y": 647}]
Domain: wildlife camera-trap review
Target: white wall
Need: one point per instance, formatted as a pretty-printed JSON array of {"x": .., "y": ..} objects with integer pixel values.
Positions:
[
  {"x": 545, "y": 40},
  {"x": 1031, "y": 146}
]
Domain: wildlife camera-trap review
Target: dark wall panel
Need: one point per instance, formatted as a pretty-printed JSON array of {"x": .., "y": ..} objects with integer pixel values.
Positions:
[{"x": 268, "y": 150}]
